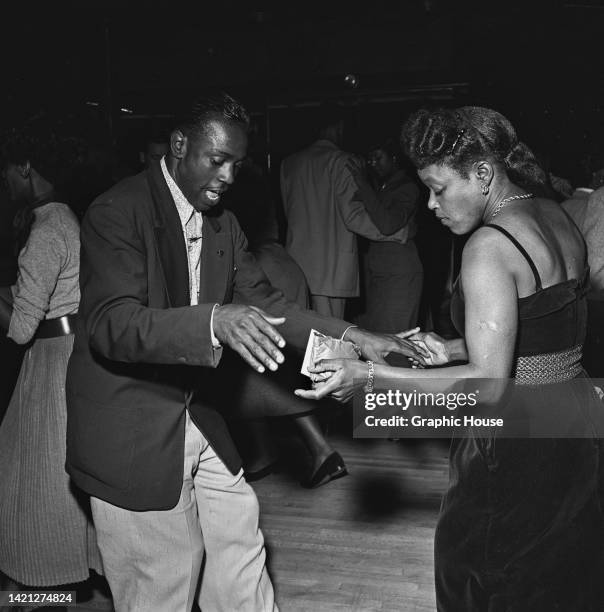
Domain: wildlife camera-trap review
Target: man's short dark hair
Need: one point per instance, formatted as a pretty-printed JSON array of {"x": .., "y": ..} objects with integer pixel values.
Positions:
[
  {"x": 216, "y": 105},
  {"x": 389, "y": 145}
]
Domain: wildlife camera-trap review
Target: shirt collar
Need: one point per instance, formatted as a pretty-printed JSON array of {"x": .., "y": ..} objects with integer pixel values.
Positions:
[
  {"x": 398, "y": 176},
  {"x": 323, "y": 142},
  {"x": 183, "y": 206}
]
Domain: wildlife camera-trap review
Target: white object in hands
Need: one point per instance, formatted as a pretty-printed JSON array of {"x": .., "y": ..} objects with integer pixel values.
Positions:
[
  {"x": 308, "y": 361},
  {"x": 320, "y": 346}
]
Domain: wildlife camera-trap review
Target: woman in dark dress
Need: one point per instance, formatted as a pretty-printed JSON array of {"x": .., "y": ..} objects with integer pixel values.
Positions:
[{"x": 520, "y": 527}]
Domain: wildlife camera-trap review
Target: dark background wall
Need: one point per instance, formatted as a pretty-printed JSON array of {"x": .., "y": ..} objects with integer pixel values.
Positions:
[{"x": 540, "y": 62}]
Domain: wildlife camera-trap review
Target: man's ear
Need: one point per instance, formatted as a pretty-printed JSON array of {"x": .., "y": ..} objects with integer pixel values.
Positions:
[{"x": 178, "y": 144}]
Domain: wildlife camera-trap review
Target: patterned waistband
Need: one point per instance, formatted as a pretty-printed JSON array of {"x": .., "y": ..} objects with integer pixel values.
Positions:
[{"x": 549, "y": 367}]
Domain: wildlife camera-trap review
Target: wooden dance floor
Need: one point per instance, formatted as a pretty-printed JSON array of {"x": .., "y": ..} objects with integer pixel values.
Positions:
[{"x": 360, "y": 543}]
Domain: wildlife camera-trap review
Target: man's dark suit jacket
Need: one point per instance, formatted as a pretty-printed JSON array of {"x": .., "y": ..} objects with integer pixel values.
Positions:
[{"x": 142, "y": 353}]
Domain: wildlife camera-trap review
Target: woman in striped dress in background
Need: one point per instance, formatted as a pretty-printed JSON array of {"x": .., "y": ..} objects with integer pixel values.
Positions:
[{"x": 46, "y": 537}]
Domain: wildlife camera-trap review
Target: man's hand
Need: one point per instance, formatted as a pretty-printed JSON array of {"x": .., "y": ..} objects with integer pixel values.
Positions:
[
  {"x": 375, "y": 347},
  {"x": 249, "y": 331},
  {"x": 356, "y": 166},
  {"x": 437, "y": 347}
]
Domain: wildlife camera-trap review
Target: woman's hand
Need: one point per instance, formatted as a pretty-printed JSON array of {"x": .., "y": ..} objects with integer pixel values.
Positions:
[
  {"x": 435, "y": 349},
  {"x": 377, "y": 346},
  {"x": 345, "y": 377}
]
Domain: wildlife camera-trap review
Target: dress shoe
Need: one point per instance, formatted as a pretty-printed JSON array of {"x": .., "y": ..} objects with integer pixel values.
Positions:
[{"x": 333, "y": 467}]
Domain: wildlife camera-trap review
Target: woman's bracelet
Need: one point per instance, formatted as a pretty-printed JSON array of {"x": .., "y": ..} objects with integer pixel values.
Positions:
[
  {"x": 344, "y": 332},
  {"x": 370, "y": 372}
]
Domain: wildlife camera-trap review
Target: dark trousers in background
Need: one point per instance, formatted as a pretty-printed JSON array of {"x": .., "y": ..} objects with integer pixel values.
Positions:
[{"x": 593, "y": 350}]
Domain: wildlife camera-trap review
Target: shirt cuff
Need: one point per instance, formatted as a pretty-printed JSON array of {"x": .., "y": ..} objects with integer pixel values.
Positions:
[{"x": 215, "y": 343}]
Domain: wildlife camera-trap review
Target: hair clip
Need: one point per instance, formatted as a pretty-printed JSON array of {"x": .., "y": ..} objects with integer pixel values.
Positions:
[{"x": 459, "y": 135}]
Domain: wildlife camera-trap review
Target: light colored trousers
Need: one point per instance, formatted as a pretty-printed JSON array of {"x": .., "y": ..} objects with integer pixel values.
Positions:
[{"x": 152, "y": 559}]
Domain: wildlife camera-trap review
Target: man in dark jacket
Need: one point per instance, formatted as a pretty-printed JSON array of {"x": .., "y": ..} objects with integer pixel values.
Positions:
[{"x": 165, "y": 276}]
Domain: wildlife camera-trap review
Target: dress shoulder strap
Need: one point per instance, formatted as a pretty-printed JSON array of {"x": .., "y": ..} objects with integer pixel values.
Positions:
[{"x": 522, "y": 250}]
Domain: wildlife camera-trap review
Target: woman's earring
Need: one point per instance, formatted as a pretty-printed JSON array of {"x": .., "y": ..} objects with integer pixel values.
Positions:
[{"x": 484, "y": 189}]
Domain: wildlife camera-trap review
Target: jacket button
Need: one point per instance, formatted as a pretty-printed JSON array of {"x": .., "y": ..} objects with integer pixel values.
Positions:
[{"x": 220, "y": 252}]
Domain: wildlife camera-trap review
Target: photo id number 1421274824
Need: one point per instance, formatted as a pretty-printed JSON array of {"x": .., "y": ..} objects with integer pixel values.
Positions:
[{"x": 37, "y": 598}]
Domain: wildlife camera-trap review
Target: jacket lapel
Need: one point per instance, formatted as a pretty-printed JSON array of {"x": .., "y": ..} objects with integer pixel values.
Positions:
[{"x": 170, "y": 241}]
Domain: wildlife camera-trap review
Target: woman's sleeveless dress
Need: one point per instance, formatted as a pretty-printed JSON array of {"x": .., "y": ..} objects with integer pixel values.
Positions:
[{"x": 520, "y": 527}]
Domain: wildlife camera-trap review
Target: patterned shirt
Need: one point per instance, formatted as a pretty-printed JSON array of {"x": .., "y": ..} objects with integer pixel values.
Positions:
[{"x": 192, "y": 225}]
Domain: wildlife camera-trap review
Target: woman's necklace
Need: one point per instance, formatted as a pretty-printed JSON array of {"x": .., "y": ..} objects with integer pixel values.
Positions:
[{"x": 521, "y": 196}]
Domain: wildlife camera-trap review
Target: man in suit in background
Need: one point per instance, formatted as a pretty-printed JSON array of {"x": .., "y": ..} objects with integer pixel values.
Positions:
[
  {"x": 324, "y": 217},
  {"x": 586, "y": 207},
  {"x": 165, "y": 279}
]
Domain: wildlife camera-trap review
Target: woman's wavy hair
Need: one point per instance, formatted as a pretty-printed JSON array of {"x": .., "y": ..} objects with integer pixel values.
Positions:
[
  {"x": 53, "y": 151},
  {"x": 458, "y": 138}
]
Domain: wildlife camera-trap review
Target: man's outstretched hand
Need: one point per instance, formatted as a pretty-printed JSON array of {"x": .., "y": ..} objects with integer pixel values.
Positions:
[{"x": 249, "y": 331}]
